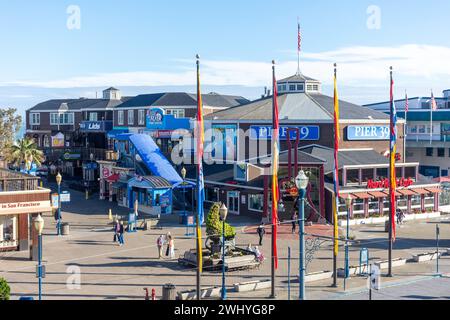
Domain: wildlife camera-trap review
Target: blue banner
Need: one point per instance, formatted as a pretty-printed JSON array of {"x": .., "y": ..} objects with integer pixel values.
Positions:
[
  {"x": 307, "y": 133},
  {"x": 355, "y": 133},
  {"x": 95, "y": 126}
]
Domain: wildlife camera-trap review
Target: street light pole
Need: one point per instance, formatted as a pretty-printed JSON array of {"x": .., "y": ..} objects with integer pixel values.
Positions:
[
  {"x": 223, "y": 211},
  {"x": 58, "y": 224},
  {"x": 302, "y": 182},
  {"x": 39, "y": 226}
]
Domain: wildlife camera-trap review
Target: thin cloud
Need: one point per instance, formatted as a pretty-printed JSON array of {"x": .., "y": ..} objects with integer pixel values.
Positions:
[{"x": 362, "y": 66}]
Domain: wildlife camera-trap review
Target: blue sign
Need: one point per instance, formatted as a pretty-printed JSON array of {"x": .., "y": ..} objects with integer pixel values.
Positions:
[
  {"x": 356, "y": 133},
  {"x": 90, "y": 166},
  {"x": 307, "y": 133},
  {"x": 155, "y": 117},
  {"x": 95, "y": 126}
]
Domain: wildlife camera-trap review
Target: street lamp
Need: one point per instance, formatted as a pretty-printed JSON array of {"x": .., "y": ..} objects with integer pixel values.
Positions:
[
  {"x": 301, "y": 182},
  {"x": 348, "y": 203},
  {"x": 39, "y": 226},
  {"x": 223, "y": 211},
  {"x": 58, "y": 224},
  {"x": 183, "y": 175}
]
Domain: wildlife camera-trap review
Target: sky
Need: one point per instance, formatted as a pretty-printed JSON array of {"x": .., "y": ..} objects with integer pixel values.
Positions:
[{"x": 68, "y": 49}]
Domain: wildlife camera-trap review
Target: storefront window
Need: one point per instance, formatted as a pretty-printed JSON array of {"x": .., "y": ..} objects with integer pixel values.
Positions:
[
  {"x": 374, "y": 207},
  {"x": 256, "y": 202},
  {"x": 402, "y": 203},
  {"x": 211, "y": 195},
  {"x": 367, "y": 174},
  {"x": 410, "y": 173},
  {"x": 8, "y": 231},
  {"x": 415, "y": 202},
  {"x": 399, "y": 172},
  {"x": 382, "y": 173},
  {"x": 353, "y": 176}
]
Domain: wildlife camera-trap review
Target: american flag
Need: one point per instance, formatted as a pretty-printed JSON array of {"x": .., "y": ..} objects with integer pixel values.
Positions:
[
  {"x": 433, "y": 102},
  {"x": 299, "y": 38}
]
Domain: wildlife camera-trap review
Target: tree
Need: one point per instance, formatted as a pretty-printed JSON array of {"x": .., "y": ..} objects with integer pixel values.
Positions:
[
  {"x": 24, "y": 151},
  {"x": 214, "y": 225},
  {"x": 10, "y": 124},
  {"x": 5, "y": 290}
]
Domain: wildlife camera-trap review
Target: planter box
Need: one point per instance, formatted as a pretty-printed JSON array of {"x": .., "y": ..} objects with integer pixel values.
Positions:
[
  {"x": 252, "y": 285},
  {"x": 426, "y": 256},
  {"x": 395, "y": 263},
  {"x": 212, "y": 292},
  {"x": 317, "y": 276}
]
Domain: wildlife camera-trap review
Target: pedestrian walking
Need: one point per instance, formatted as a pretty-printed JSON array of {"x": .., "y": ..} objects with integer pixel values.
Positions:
[
  {"x": 261, "y": 230},
  {"x": 116, "y": 230},
  {"x": 168, "y": 240},
  {"x": 294, "y": 220},
  {"x": 171, "y": 248},
  {"x": 120, "y": 234},
  {"x": 160, "y": 243}
]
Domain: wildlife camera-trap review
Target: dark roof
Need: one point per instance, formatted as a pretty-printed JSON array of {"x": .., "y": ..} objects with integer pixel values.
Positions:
[
  {"x": 303, "y": 158},
  {"x": 182, "y": 99},
  {"x": 78, "y": 104},
  {"x": 298, "y": 106},
  {"x": 297, "y": 77},
  {"x": 346, "y": 157}
]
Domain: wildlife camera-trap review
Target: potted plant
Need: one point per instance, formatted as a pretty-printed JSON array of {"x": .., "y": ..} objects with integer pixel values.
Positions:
[
  {"x": 214, "y": 228},
  {"x": 5, "y": 290}
]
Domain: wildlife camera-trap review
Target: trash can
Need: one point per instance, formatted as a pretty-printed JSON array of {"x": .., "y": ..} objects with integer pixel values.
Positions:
[
  {"x": 65, "y": 229},
  {"x": 169, "y": 292},
  {"x": 386, "y": 226}
]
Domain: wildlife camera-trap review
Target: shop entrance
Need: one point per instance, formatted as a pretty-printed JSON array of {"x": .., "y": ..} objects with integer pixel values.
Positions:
[{"x": 233, "y": 202}]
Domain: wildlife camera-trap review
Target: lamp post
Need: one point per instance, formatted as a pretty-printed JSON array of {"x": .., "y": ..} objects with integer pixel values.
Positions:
[
  {"x": 223, "y": 211},
  {"x": 183, "y": 175},
  {"x": 39, "y": 225},
  {"x": 348, "y": 203},
  {"x": 58, "y": 224},
  {"x": 301, "y": 182}
]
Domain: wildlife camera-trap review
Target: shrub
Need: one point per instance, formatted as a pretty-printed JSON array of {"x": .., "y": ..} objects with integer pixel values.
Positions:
[
  {"x": 214, "y": 225},
  {"x": 5, "y": 290}
]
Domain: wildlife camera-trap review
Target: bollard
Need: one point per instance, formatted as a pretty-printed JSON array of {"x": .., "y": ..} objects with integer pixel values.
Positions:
[
  {"x": 146, "y": 294},
  {"x": 153, "y": 294},
  {"x": 169, "y": 292},
  {"x": 110, "y": 217},
  {"x": 87, "y": 194}
]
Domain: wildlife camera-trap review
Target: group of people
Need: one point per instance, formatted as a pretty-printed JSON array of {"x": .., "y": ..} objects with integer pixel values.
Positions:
[
  {"x": 118, "y": 232},
  {"x": 170, "y": 246}
]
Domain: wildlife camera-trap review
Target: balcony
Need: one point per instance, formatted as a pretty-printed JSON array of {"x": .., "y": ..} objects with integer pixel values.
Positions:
[{"x": 15, "y": 181}]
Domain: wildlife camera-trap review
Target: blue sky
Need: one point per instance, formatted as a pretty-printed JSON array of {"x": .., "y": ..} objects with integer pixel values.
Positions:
[{"x": 147, "y": 45}]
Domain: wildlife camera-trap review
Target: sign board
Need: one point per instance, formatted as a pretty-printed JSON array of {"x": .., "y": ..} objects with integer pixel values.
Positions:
[
  {"x": 95, "y": 126},
  {"x": 155, "y": 117},
  {"x": 307, "y": 133},
  {"x": 90, "y": 166},
  {"x": 374, "y": 277},
  {"x": 58, "y": 140},
  {"x": 190, "y": 221},
  {"x": 25, "y": 207},
  {"x": 65, "y": 196},
  {"x": 55, "y": 200},
  {"x": 43, "y": 271},
  {"x": 363, "y": 133},
  {"x": 71, "y": 156}
]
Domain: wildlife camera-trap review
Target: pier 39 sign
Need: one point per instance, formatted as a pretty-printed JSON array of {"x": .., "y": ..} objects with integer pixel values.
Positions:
[
  {"x": 310, "y": 133},
  {"x": 355, "y": 133}
]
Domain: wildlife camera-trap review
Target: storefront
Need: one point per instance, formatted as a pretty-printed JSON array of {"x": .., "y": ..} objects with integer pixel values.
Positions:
[{"x": 154, "y": 195}]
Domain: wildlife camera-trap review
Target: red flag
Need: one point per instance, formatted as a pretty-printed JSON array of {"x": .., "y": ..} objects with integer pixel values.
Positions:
[
  {"x": 275, "y": 155},
  {"x": 434, "y": 106}
]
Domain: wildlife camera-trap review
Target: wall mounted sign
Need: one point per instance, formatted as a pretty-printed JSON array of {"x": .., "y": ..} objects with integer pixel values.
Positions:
[
  {"x": 71, "y": 156},
  {"x": 155, "y": 117},
  {"x": 95, "y": 126},
  {"x": 25, "y": 207},
  {"x": 307, "y": 133},
  {"x": 58, "y": 140},
  {"x": 385, "y": 183},
  {"x": 363, "y": 133}
]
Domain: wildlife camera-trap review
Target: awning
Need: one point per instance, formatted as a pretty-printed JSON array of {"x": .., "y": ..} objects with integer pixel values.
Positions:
[
  {"x": 362, "y": 195},
  {"x": 421, "y": 191},
  {"x": 113, "y": 178},
  {"x": 345, "y": 196},
  {"x": 434, "y": 190},
  {"x": 378, "y": 194},
  {"x": 185, "y": 185},
  {"x": 149, "y": 182},
  {"x": 398, "y": 194},
  {"x": 119, "y": 184},
  {"x": 407, "y": 192}
]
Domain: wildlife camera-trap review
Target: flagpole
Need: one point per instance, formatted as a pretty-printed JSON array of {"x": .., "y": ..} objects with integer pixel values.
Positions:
[
  {"x": 273, "y": 293},
  {"x": 405, "y": 128},
  {"x": 390, "y": 176},
  {"x": 431, "y": 117},
  {"x": 198, "y": 248},
  {"x": 336, "y": 199},
  {"x": 298, "y": 46}
]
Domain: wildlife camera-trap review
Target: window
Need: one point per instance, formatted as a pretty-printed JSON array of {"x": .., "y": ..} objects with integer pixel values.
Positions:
[
  {"x": 382, "y": 173},
  {"x": 316, "y": 87},
  {"x": 120, "y": 117},
  {"x": 422, "y": 129},
  {"x": 410, "y": 172},
  {"x": 256, "y": 202},
  {"x": 93, "y": 116},
  {"x": 429, "y": 152},
  {"x": 399, "y": 172},
  {"x": 211, "y": 195},
  {"x": 61, "y": 118},
  {"x": 441, "y": 152},
  {"x": 300, "y": 87},
  {"x": 353, "y": 176},
  {"x": 413, "y": 129},
  {"x": 177, "y": 113},
  {"x": 54, "y": 119},
  {"x": 130, "y": 117},
  {"x": 35, "y": 118},
  {"x": 367, "y": 174},
  {"x": 309, "y": 87},
  {"x": 282, "y": 87},
  {"x": 292, "y": 87},
  {"x": 141, "y": 117}
]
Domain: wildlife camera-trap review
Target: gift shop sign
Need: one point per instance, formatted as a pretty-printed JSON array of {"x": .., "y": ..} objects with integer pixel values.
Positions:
[{"x": 25, "y": 207}]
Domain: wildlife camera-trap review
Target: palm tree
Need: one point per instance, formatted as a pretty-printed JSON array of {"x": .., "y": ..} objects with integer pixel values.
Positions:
[{"x": 24, "y": 152}]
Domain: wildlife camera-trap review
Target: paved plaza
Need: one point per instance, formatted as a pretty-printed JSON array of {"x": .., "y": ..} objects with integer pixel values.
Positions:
[{"x": 112, "y": 272}]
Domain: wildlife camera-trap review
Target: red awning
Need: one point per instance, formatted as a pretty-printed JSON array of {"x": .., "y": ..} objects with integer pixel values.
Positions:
[
  {"x": 345, "y": 196},
  {"x": 363, "y": 195},
  {"x": 113, "y": 178},
  {"x": 398, "y": 194},
  {"x": 434, "y": 190},
  {"x": 421, "y": 191},
  {"x": 407, "y": 192},
  {"x": 378, "y": 194}
]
